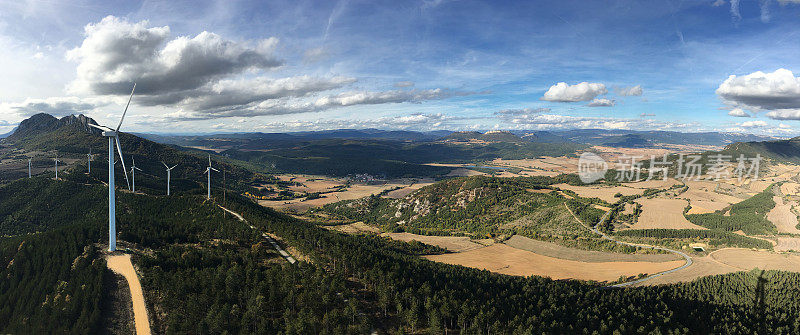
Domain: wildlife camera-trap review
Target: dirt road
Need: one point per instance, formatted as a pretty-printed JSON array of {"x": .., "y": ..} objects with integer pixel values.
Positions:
[
  {"x": 122, "y": 265},
  {"x": 269, "y": 239},
  {"x": 638, "y": 281}
]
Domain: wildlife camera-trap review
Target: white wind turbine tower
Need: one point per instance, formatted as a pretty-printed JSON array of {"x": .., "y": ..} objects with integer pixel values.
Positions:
[
  {"x": 29, "y": 168},
  {"x": 56, "y": 160},
  {"x": 89, "y": 158},
  {"x": 113, "y": 138},
  {"x": 169, "y": 171},
  {"x": 133, "y": 175},
  {"x": 208, "y": 171}
]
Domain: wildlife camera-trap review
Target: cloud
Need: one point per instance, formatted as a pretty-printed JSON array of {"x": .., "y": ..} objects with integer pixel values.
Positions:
[
  {"x": 643, "y": 115},
  {"x": 761, "y": 91},
  {"x": 415, "y": 121},
  {"x": 404, "y": 84},
  {"x": 315, "y": 55},
  {"x": 753, "y": 124},
  {"x": 784, "y": 114},
  {"x": 56, "y": 106},
  {"x": 601, "y": 103},
  {"x": 523, "y": 111},
  {"x": 282, "y": 106},
  {"x": 116, "y": 53},
  {"x": 736, "y": 16},
  {"x": 718, "y": 3},
  {"x": 765, "y": 15},
  {"x": 206, "y": 76},
  {"x": 554, "y": 121},
  {"x": 738, "y": 112},
  {"x": 629, "y": 91},
  {"x": 562, "y": 92},
  {"x": 244, "y": 93},
  {"x": 395, "y": 96}
]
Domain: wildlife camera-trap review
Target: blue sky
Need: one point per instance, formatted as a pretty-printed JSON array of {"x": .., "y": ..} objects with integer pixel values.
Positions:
[{"x": 296, "y": 65}]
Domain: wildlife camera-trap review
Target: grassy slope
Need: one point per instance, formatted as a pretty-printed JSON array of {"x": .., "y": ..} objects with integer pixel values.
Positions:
[{"x": 481, "y": 206}]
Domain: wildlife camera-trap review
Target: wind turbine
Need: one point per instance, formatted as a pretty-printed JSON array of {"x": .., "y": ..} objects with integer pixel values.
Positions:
[
  {"x": 133, "y": 175},
  {"x": 113, "y": 137},
  {"x": 56, "y": 160},
  {"x": 208, "y": 171},
  {"x": 169, "y": 170},
  {"x": 89, "y": 157},
  {"x": 29, "y": 168}
]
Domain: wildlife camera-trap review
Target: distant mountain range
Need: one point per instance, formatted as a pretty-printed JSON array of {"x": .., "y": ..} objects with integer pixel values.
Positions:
[
  {"x": 393, "y": 135},
  {"x": 614, "y": 138}
]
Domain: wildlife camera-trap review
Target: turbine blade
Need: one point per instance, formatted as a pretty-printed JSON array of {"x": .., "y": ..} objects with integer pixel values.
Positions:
[
  {"x": 176, "y": 165},
  {"x": 215, "y": 169},
  {"x": 124, "y": 170},
  {"x": 104, "y": 128},
  {"x": 165, "y": 164},
  {"x": 209, "y": 159},
  {"x": 126, "y": 107}
]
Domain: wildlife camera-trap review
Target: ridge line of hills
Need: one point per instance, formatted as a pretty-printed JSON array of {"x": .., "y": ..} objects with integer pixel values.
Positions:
[{"x": 614, "y": 138}]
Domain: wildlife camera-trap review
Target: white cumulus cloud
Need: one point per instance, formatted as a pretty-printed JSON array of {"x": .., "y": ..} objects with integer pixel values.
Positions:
[
  {"x": 762, "y": 91},
  {"x": 630, "y": 91},
  {"x": 522, "y": 111},
  {"x": 116, "y": 53},
  {"x": 601, "y": 103},
  {"x": 738, "y": 112},
  {"x": 585, "y": 91},
  {"x": 753, "y": 124}
]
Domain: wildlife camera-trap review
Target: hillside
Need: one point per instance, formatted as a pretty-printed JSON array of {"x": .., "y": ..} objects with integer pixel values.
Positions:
[
  {"x": 480, "y": 207},
  {"x": 387, "y": 159},
  {"x": 42, "y": 136},
  {"x": 603, "y": 136},
  {"x": 204, "y": 271},
  {"x": 787, "y": 151}
]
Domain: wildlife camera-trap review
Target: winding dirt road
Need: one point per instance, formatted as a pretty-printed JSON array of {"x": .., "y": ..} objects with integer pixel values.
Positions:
[
  {"x": 638, "y": 281},
  {"x": 122, "y": 265},
  {"x": 289, "y": 258}
]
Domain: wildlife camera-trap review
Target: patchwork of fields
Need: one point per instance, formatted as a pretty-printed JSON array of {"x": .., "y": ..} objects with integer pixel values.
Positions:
[{"x": 653, "y": 205}]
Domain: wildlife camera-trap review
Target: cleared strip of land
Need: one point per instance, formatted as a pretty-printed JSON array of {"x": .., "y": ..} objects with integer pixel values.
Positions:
[
  {"x": 562, "y": 252},
  {"x": 505, "y": 259},
  {"x": 452, "y": 243}
]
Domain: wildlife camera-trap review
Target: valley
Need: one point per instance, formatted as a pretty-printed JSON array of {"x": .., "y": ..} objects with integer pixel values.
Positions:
[{"x": 270, "y": 247}]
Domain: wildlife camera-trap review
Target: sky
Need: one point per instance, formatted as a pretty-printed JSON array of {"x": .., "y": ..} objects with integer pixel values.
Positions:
[{"x": 278, "y": 66}]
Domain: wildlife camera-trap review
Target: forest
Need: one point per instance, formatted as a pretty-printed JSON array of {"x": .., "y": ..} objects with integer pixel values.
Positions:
[
  {"x": 383, "y": 158},
  {"x": 205, "y": 272},
  {"x": 714, "y": 238},
  {"x": 748, "y": 216}
]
